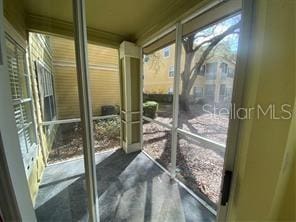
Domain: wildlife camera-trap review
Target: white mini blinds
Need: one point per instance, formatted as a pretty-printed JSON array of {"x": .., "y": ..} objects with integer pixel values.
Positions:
[{"x": 22, "y": 101}]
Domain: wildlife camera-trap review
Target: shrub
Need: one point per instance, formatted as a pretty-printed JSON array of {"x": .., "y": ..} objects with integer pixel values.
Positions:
[
  {"x": 150, "y": 108},
  {"x": 160, "y": 98}
]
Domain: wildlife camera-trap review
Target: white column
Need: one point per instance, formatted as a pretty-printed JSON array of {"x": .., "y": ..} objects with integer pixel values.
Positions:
[{"x": 130, "y": 91}]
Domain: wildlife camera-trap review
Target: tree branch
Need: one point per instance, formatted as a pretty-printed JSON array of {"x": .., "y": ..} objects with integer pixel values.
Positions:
[{"x": 212, "y": 43}]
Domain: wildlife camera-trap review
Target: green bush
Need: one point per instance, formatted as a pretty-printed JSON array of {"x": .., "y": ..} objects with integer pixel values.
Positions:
[
  {"x": 150, "y": 108},
  {"x": 160, "y": 98}
]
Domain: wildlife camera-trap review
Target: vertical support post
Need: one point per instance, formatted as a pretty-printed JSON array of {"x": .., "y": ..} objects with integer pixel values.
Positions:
[
  {"x": 141, "y": 98},
  {"x": 85, "y": 107},
  {"x": 121, "y": 99},
  {"x": 244, "y": 44},
  {"x": 130, "y": 84},
  {"x": 178, "y": 51}
]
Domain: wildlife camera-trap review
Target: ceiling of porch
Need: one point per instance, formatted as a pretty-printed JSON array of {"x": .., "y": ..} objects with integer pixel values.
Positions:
[{"x": 118, "y": 20}]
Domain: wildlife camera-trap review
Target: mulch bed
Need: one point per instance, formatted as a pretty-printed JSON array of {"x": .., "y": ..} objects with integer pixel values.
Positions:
[
  {"x": 198, "y": 166},
  {"x": 68, "y": 143}
]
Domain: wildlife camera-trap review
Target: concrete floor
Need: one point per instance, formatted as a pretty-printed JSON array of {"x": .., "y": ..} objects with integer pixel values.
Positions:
[{"x": 130, "y": 187}]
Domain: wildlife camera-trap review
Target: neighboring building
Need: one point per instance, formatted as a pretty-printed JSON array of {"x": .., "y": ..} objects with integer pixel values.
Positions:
[
  {"x": 104, "y": 77},
  {"x": 159, "y": 71},
  {"x": 215, "y": 83}
]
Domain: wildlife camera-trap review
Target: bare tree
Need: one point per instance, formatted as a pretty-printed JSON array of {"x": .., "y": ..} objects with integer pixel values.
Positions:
[
  {"x": 155, "y": 62},
  {"x": 204, "y": 48}
]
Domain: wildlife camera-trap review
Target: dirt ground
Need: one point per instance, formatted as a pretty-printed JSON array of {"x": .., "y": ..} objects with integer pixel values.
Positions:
[
  {"x": 68, "y": 141},
  {"x": 199, "y": 166},
  {"x": 210, "y": 126}
]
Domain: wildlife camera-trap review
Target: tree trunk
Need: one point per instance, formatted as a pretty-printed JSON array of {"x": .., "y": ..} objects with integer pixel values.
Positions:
[
  {"x": 185, "y": 77},
  {"x": 185, "y": 93},
  {"x": 189, "y": 75}
]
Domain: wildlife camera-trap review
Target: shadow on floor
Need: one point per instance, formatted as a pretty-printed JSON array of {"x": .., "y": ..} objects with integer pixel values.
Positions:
[{"x": 130, "y": 188}]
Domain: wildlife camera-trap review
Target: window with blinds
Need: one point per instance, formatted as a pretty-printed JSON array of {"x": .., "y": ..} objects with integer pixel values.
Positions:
[
  {"x": 46, "y": 91},
  {"x": 22, "y": 101}
]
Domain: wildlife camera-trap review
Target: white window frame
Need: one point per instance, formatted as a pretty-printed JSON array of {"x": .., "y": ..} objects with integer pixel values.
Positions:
[
  {"x": 166, "y": 52},
  {"x": 9, "y": 132},
  {"x": 171, "y": 71},
  {"x": 198, "y": 91},
  {"x": 146, "y": 59},
  {"x": 209, "y": 87},
  {"x": 46, "y": 89},
  {"x": 220, "y": 89},
  {"x": 224, "y": 67},
  {"x": 211, "y": 75},
  {"x": 203, "y": 69}
]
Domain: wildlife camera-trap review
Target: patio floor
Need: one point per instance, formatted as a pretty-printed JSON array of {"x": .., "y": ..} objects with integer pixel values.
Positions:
[{"x": 131, "y": 187}]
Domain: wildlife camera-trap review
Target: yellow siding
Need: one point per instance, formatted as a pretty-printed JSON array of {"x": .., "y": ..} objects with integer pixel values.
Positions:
[
  {"x": 104, "y": 77},
  {"x": 38, "y": 51},
  {"x": 157, "y": 79},
  {"x": 156, "y": 72}
]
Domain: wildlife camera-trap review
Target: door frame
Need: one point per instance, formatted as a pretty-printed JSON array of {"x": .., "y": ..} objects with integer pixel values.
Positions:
[
  {"x": 230, "y": 160},
  {"x": 11, "y": 146}
]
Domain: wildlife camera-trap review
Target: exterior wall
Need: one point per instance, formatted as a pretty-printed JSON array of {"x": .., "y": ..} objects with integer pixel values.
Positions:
[
  {"x": 104, "y": 76},
  {"x": 156, "y": 72},
  {"x": 157, "y": 80},
  {"x": 201, "y": 81},
  {"x": 39, "y": 50}
]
